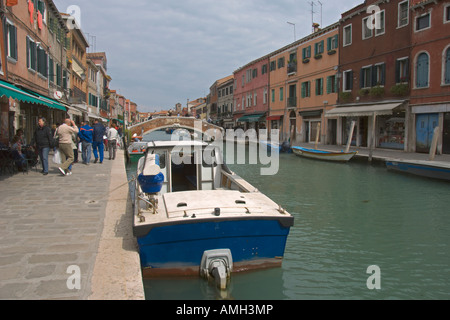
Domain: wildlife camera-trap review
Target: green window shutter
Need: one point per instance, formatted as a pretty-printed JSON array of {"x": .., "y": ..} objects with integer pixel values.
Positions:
[
  {"x": 329, "y": 85},
  {"x": 329, "y": 44}
]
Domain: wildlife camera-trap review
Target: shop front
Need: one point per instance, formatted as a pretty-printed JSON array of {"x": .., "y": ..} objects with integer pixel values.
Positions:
[
  {"x": 21, "y": 108},
  {"x": 385, "y": 122}
]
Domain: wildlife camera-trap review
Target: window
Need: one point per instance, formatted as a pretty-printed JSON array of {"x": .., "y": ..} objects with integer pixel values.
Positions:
[
  {"x": 332, "y": 43},
  {"x": 31, "y": 54},
  {"x": 447, "y": 66},
  {"x": 265, "y": 96},
  {"x": 381, "y": 23},
  {"x": 319, "y": 87},
  {"x": 348, "y": 35},
  {"x": 331, "y": 84},
  {"x": 402, "y": 70},
  {"x": 11, "y": 41},
  {"x": 306, "y": 89},
  {"x": 281, "y": 63},
  {"x": 273, "y": 95},
  {"x": 255, "y": 73},
  {"x": 318, "y": 48},
  {"x": 447, "y": 14},
  {"x": 249, "y": 75},
  {"x": 264, "y": 69},
  {"x": 273, "y": 65},
  {"x": 403, "y": 14},
  {"x": 367, "y": 32},
  {"x": 423, "y": 22},
  {"x": 348, "y": 80},
  {"x": 306, "y": 52},
  {"x": 281, "y": 94},
  {"x": 366, "y": 77},
  {"x": 42, "y": 62},
  {"x": 422, "y": 70},
  {"x": 378, "y": 74}
]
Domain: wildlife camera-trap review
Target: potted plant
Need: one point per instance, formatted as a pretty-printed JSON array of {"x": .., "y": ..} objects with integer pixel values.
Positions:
[
  {"x": 345, "y": 96},
  {"x": 306, "y": 60},
  {"x": 400, "y": 89},
  {"x": 318, "y": 56},
  {"x": 331, "y": 52},
  {"x": 364, "y": 92},
  {"x": 376, "y": 92}
]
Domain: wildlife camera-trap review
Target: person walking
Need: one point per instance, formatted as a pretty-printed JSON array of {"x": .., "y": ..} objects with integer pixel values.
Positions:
[
  {"x": 86, "y": 135},
  {"x": 113, "y": 137},
  {"x": 98, "y": 145},
  {"x": 43, "y": 140},
  {"x": 64, "y": 133}
]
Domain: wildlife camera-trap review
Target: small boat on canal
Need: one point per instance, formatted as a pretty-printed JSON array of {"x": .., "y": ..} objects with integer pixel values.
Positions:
[
  {"x": 193, "y": 216},
  {"x": 136, "y": 151},
  {"x": 324, "y": 155},
  {"x": 427, "y": 169}
]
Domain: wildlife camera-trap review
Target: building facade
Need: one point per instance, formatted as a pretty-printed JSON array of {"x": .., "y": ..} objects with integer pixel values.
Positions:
[
  {"x": 251, "y": 94},
  {"x": 225, "y": 102},
  {"x": 25, "y": 91},
  {"x": 375, "y": 41},
  {"x": 430, "y": 74},
  {"x": 303, "y": 86}
]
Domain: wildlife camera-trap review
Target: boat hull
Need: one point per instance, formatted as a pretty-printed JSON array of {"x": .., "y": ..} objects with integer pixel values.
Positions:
[
  {"x": 324, "y": 155},
  {"x": 419, "y": 169},
  {"x": 177, "y": 249}
]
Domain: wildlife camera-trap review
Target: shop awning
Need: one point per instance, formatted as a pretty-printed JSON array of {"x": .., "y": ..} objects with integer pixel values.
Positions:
[
  {"x": 251, "y": 118},
  {"x": 364, "y": 111},
  {"x": 11, "y": 91},
  {"x": 272, "y": 118}
]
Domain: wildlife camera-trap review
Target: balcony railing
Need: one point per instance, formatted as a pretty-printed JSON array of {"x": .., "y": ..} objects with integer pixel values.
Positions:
[
  {"x": 292, "y": 67},
  {"x": 292, "y": 102}
]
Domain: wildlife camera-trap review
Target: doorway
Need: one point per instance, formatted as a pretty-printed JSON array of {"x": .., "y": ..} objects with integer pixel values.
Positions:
[
  {"x": 446, "y": 139},
  {"x": 425, "y": 124}
]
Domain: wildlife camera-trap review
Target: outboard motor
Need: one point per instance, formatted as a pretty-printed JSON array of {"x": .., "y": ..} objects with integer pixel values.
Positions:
[{"x": 151, "y": 178}]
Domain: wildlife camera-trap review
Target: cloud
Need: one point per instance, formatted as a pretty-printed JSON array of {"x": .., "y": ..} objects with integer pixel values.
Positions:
[{"x": 164, "y": 52}]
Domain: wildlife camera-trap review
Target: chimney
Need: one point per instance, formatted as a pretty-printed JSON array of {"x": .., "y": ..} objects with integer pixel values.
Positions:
[{"x": 316, "y": 27}]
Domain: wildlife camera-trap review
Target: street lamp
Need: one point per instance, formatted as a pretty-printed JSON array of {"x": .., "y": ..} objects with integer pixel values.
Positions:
[{"x": 293, "y": 24}]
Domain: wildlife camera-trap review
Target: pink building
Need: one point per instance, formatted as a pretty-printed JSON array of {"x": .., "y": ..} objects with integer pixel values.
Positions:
[{"x": 251, "y": 94}]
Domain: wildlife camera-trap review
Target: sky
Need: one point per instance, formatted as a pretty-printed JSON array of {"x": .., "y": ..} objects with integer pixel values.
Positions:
[{"x": 163, "y": 52}]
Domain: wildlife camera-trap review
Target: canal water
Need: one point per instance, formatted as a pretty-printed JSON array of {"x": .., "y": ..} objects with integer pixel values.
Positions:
[{"x": 348, "y": 217}]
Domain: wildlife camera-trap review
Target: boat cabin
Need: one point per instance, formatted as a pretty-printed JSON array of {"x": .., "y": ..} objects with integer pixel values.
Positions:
[{"x": 186, "y": 165}]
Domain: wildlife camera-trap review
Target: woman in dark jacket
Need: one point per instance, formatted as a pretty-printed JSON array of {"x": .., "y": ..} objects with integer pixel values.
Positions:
[{"x": 43, "y": 139}]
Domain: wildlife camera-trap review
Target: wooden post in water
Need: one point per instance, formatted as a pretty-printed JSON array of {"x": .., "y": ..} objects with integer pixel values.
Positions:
[
  {"x": 317, "y": 136},
  {"x": 372, "y": 138},
  {"x": 434, "y": 143},
  {"x": 349, "y": 142}
]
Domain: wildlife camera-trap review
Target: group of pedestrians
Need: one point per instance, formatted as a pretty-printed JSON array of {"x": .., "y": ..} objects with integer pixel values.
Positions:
[{"x": 65, "y": 140}]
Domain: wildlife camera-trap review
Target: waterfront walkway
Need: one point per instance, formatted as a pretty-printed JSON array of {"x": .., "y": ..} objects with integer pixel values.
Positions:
[{"x": 68, "y": 237}]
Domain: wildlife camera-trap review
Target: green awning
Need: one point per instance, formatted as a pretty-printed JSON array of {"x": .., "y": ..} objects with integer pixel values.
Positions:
[
  {"x": 11, "y": 91},
  {"x": 251, "y": 118}
]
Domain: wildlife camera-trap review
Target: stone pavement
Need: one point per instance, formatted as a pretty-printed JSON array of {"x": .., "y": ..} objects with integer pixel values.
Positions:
[{"x": 68, "y": 237}]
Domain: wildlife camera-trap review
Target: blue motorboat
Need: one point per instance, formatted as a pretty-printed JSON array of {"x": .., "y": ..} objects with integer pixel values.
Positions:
[{"x": 193, "y": 216}]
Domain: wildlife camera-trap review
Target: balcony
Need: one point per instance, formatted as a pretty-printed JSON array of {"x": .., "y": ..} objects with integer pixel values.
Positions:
[
  {"x": 292, "y": 102},
  {"x": 292, "y": 67}
]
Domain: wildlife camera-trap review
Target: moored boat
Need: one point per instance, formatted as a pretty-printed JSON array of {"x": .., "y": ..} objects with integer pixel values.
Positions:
[
  {"x": 136, "y": 151},
  {"x": 428, "y": 169},
  {"x": 193, "y": 216},
  {"x": 324, "y": 155}
]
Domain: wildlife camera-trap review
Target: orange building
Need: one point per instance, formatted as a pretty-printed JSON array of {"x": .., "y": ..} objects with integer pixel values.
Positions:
[{"x": 303, "y": 79}]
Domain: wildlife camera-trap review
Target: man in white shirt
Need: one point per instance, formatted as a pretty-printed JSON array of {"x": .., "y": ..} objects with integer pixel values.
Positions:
[{"x": 113, "y": 137}]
